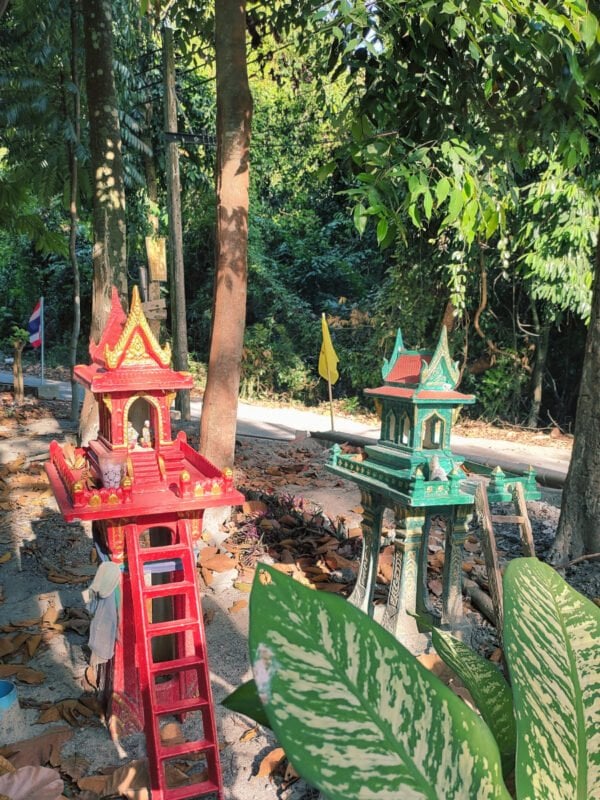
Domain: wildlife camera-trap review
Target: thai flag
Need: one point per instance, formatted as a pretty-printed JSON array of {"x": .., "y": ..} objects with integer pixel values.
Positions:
[{"x": 34, "y": 326}]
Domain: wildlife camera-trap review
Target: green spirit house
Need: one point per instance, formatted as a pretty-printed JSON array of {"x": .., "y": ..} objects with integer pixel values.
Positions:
[{"x": 413, "y": 471}]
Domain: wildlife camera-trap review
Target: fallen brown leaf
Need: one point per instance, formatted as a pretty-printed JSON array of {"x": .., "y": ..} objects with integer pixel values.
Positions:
[
  {"x": 270, "y": 762},
  {"x": 254, "y": 507},
  {"x": 249, "y": 734},
  {"x": 5, "y": 557},
  {"x": 40, "y": 750},
  {"x": 22, "y": 673},
  {"x": 70, "y": 709},
  {"x": 435, "y": 587},
  {"x": 238, "y": 606},
  {"x": 171, "y": 734},
  {"x": 219, "y": 563}
]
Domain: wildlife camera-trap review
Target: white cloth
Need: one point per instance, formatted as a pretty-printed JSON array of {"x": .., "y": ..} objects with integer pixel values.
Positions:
[{"x": 104, "y": 603}]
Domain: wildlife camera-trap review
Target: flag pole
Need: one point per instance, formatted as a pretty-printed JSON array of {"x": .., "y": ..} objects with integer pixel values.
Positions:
[
  {"x": 42, "y": 335},
  {"x": 330, "y": 399}
]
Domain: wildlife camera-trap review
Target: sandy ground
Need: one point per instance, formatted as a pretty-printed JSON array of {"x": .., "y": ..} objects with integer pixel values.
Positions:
[{"x": 38, "y": 541}]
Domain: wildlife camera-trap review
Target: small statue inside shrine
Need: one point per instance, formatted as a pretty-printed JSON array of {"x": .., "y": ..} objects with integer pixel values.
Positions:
[
  {"x": 146, "y": 437},
  {"x": 132, "y": 436}
]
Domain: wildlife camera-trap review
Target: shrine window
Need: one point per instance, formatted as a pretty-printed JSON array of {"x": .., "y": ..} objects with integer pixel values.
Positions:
[
  {"x": 405, "y": 430},
  {"x": 433, "y": 432},
  {"x": 391, "y": 426}
]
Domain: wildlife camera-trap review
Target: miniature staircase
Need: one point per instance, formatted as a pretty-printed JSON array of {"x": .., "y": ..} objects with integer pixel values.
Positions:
[{"x": 188, "y": 667}]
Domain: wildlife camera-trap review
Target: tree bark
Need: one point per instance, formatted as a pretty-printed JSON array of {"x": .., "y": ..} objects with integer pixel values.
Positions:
[
  {"x": 73, "y": 211},
  {"x": 579, "y": 524},
  {"x": 177, "y": 273},
  {"x": 109, "y": 256},
  {"x": 234, "y": 117},
  {"x": 18, "y": 383},
  {"x": 542, "y": 329},
  {"x": 152, "y": 190}
]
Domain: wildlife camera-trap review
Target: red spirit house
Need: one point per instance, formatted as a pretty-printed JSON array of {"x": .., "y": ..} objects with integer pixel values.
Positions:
[{"x": 145, "y": 493}]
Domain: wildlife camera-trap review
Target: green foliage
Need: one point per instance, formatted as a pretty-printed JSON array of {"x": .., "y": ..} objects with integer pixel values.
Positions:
[
  {"x": 18, "y": 336},
  {"x": 501, "y": 390},
  {"x": 270, "y": 364},
  {"x": 358, "y": 716}
]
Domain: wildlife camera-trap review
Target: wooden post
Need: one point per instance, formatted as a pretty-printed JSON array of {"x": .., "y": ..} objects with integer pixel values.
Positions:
[
  {"x": 527, "y": 544},
  {"x": 490, "y": 553}
]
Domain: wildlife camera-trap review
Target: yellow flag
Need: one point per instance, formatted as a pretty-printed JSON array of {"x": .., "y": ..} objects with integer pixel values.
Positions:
[{"x": 327, "y": 358}]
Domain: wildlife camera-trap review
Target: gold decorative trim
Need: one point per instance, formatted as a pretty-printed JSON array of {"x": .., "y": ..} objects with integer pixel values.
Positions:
[
  {"x": 170, "y": 398},
  {"x": 136, "y": 353},
  {"x": 135, "y": 319},
  {"x": 107, "y": 400}
]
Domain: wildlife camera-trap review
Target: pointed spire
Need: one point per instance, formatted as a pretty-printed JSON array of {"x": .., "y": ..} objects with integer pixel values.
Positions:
[
  {"x": 441, "y": 372},
  {"x": 388, "y": 363},
  {"x": 137, "y": 344}
]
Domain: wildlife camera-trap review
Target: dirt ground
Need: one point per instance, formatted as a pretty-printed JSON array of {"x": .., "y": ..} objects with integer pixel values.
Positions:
[{"x": 296, "y": 516}]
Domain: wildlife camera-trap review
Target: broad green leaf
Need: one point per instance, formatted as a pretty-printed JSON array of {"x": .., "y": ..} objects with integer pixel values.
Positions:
[
  {"x": 355, "y": 712},
  {"x": 456, "y": 203},
  {"x": 442, "y": 190},
  {"x": 552, "y": 636},
  {"x": 428, "y": 204},
  {"x": 489, "y": 689},
  {"x": 360, "y": 218},
  {"x": 245, "y": 700},
  {"x": 589, "y": 29},
  {"x": 382, "y": 229}
]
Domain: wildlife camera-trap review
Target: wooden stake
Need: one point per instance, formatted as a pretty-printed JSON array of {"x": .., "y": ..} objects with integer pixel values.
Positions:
[{"x": 330, "y": 403}]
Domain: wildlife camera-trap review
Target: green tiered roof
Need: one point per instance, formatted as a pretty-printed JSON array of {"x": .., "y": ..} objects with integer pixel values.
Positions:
[{"x": 412, "y": 463}]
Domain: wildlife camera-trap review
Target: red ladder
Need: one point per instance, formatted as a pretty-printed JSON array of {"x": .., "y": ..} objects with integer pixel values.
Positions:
[{"x": 188, "y": 668}]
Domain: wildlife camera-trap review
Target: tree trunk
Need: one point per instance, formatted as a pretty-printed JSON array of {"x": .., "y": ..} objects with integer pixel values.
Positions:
[
  {"x": 18, "y": 383},
  {"x": 177, "y": 274},
  {"x": 542, "y": 329},
  {"x": 234, "y": 116},
  {"x": 152, "y": 190},
  {"x": 579, "y": 524},
  {"x": 73, "y": 212},
  {"x": 109, "y": 245}
]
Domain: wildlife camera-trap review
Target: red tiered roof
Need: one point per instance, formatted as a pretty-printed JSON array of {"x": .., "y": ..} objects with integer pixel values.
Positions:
[{"x": 126, "y": 344}]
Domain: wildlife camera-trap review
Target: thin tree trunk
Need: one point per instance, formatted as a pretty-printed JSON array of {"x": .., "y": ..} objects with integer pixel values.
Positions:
[
  {"x": 234, "y": 116},
  {"x": 3, "y": 6},
  {"x": 73, "y": 212},
  {"x": 178, "y": 306},
  {"x": 579, "y": 524},
  {"x": 18, "y": 383},
  {"x": 109, "y": 247},
  {"x": 152, "y": 190},
  {"x": 542, "y": 329}
]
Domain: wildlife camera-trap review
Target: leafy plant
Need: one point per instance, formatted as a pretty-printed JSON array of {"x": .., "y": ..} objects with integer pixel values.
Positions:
[{"x": 359, "y": 717}]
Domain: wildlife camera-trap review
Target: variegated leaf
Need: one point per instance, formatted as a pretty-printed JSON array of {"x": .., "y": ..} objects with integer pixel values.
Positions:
[
  {"x": 552, "y": 635},
  {"x": 488, "y": 688},
  {"x": 357, "y": 715}
]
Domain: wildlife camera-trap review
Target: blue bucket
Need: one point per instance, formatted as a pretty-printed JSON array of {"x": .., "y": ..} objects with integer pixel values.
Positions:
[{"x": 8, "y": 695}]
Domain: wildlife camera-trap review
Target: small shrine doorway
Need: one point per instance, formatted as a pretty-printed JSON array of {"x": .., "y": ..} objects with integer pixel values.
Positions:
[{"x": 142, "y": 422}]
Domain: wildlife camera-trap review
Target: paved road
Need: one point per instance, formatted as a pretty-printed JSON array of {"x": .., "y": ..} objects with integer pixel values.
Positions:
[{"x": 286, "y": 423}]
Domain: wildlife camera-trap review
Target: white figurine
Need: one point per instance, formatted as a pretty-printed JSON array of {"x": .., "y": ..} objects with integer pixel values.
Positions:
[
  {"x": 132, "y": 436},
  {"x": 146, "y": 434}
]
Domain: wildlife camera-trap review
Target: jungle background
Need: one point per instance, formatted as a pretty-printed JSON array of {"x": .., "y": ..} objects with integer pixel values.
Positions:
[{"x": 343, "y": 212}]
